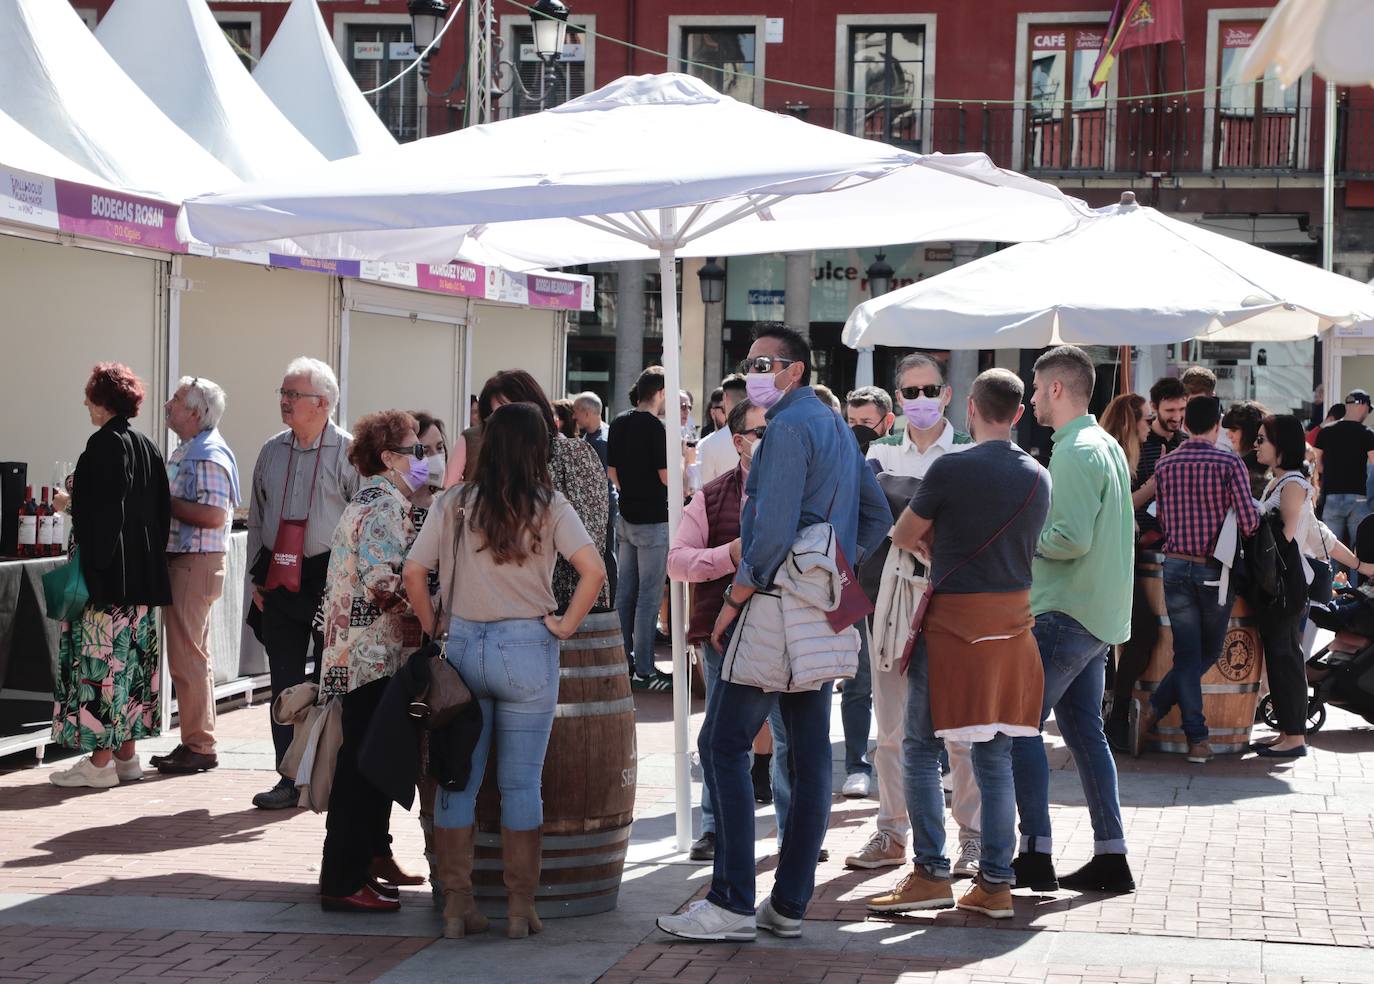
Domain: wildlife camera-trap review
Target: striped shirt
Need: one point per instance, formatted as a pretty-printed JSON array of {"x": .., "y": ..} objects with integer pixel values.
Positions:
[{"x": 1197, "y": 485}]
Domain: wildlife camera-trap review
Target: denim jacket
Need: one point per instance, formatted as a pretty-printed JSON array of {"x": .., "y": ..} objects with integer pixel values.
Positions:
[{"x": 807, "y": 460}]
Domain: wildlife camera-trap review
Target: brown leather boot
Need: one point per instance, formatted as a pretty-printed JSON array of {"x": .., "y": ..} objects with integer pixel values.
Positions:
[
  {"x": 386, "y": 869},
  {"x": 461, "y": 916},
  {"x": 520, "y": 858}
]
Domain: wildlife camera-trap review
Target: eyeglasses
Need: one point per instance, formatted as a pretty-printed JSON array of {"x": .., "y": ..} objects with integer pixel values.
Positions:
[
  {"x": 294, "y": 395},
  {"x": 763, "y": 363},
  {"x": 930, "y": 390},
  {"x": 758, "y": 431},
  {"x": 419, "y": 451}
]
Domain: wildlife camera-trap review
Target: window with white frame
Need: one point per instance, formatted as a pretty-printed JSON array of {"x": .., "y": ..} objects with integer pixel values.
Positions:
[
  {"x": 1066, "y": 125},
  {"x": 556, "y": 83},
  {"x": 723, "y": 58},
  {"x": 886, "y": 81},
  {"x": 240, "y": 36},
  {"x": 1257, "y": 122},
  {"x": 375, "y": 53}
]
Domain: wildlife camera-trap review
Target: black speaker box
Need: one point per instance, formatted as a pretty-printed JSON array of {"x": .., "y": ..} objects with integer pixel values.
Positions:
[{"x": 13, "y": 477}]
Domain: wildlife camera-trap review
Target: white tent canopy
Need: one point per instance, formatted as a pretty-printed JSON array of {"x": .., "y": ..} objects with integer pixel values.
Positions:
[
  {"x": 302, "y": 73},
  {"x": 58, "y": 83},
  {"x": 176, "y": 52},
  {"x": 1331, "y": 36},
  {"x": 658, "y": 160},
  {"x": 21, "y": 150},
  {"x": 1129, "y": 275}
]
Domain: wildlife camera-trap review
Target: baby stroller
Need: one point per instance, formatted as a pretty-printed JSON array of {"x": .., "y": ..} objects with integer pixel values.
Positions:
[{"x": 1342, "y": 672}]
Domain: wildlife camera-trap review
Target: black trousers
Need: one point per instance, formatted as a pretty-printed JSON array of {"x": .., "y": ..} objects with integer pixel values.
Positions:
[
  {"x": 287, "y": 637},
  {"x": 358, "y": 824},
  {"x": 1283, "y": 658}
]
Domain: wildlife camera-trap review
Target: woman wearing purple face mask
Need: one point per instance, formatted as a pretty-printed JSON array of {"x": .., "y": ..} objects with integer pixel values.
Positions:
[{"x": 369, "y": 630}]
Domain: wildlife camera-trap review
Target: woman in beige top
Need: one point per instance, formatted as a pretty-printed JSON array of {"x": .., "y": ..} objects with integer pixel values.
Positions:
[{"x": 494, "y": 542}]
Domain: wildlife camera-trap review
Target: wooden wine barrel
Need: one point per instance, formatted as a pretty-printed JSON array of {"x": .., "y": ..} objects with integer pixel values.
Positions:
[
  {"x": 588, "y": 784},
  {"x": 1230, "y": 688}
]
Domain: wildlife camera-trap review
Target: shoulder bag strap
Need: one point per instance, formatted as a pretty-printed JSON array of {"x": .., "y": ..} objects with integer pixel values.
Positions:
[
  {"x": 994, "y": 538},
  {"x": 439, "y": 631}
]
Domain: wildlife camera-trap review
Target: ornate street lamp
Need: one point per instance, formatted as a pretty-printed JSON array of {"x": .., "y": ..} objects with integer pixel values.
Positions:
[
  {"x": 426, "y": 18},
  {"x": 880, "y": 275},
  {"x": 712, "y": 279},
  {"x": 550, "y": 20}
]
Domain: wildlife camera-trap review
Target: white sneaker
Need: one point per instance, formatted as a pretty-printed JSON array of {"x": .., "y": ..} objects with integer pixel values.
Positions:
[
  {"x": 704, "y": 920},
  {"x": 86, "y": 775},
  {"x": 947, "y": 782},
  {"x": 766, "y": 917},
  {"x": 966, "y": 864},
  {"x": 857, "y": 785},
  {"x": 128, "y": 771}
]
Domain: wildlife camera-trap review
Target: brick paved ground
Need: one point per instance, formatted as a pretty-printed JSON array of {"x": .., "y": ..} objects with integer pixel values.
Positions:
[{"x": 180, "y": 879}]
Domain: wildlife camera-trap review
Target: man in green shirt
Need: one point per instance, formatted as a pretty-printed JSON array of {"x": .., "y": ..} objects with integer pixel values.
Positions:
[{"x": 1081, "y": 588}]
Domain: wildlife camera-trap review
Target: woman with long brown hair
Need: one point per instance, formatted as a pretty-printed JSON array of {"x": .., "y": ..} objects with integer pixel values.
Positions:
[{"x": 498, "y": 537}]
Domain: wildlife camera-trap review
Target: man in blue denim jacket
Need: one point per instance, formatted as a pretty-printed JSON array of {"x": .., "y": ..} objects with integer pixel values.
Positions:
[{"x": 808, "y": 469}]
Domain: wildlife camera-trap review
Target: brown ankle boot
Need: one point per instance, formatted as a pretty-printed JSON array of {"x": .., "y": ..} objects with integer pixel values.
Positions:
[
  {"x": 461, "y": 916},
  {"x": 386, "y": 869},
  {"x": 520, "y": 858}
]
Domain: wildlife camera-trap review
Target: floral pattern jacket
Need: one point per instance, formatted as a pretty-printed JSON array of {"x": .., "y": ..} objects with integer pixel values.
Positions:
[
  {"x": 577, "y": 473},
  {"x": 369, "y": 626}
]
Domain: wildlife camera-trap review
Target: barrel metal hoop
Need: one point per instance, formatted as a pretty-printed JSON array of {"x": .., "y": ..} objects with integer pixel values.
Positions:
[
  {"x": 565, "y": 861},
  {"x": 1181, "y": 748},
  {"x": 588, "y": 672},
  {"x": 567, "y": 842},
  {"x": 544, "y": 891},
  {"x": 606, "y": 640},
  {"x": 1211, "y": 731},
  {"x": 1150, "y": 686},
  {"x": 600, "y": 708}
]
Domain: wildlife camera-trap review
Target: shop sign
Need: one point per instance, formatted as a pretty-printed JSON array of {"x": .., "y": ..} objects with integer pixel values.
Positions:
[
  {"x": 335, "y": 268},
  {"x": 462, "y": 279},
  {"x": 368, "y": 50},
  {"x": 1238, "y": 35},
  {"x": 1050, "y": 40},
  {"x": 402, "y": 51},
  {"x": 571, "y": 53},
  {"x": 103, "y": 213},
  {"x": 27, "y": 198},
  {"x": 773, "y": 30}
]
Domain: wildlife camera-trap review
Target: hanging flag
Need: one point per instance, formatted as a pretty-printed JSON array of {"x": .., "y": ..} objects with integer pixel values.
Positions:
[{"x": 1134, "y": 23}]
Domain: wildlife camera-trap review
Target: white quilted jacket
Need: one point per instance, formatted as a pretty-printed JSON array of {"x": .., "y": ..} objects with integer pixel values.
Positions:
[{"x": 782, "y": 641}]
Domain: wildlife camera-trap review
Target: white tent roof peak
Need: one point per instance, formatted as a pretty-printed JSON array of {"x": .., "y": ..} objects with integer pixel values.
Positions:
[
  {"x": 302, "y": 73},
  {"x": 177, "y": 53},
  {"x": 21, "y": 150},
  {"x": 58, "y": 83},
  {"x": 667, "y": 89}
]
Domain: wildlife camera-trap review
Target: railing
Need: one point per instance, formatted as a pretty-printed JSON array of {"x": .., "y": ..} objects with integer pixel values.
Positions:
[{"x": 1156, "y": 136}]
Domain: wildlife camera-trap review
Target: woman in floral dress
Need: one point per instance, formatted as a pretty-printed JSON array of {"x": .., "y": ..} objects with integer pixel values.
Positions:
[
  {"x": 369, "y": 631},
  {"x": 106, "y": 687}
]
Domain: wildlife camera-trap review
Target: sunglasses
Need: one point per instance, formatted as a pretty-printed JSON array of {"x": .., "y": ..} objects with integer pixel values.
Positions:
[
  {"x": 763, "y": 363},
  {"x": 1260, "y": 439},
  {"x": 758, "y": 431},
  {"x": 930, "y": 390},
  {"x": 419, "y": 451},
  {"x": 1352, "y": 403}
]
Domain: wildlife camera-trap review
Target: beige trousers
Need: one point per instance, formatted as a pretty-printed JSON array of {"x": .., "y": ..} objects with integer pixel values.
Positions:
[
  {"x": 889, "y": 716},
  {"x": 197, "y": 582}
]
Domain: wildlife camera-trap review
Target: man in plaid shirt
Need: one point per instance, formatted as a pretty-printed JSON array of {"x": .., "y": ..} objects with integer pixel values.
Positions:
[{"x": 1197, "y": 486}]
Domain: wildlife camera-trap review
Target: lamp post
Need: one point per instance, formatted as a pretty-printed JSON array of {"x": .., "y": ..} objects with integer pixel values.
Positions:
[
  {"x": 550, "y": 21},
  {"x": 711, "y": 277},
  {"x": 879, "y": 275},
  {"x": 426, "y": 19}
]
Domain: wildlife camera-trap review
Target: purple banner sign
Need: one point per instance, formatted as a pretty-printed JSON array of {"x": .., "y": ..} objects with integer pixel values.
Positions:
[
  {"x": 335, "y": 268},
  {"x": 117, "y": 216},
  {"x": 554, "y": 292},
  {"x": 463, "y": 279}
]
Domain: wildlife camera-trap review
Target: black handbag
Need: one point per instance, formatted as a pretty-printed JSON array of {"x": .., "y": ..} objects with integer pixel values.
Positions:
[{"x": 445, "y": 695}]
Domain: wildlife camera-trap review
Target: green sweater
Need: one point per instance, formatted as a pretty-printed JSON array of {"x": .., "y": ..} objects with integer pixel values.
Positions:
[{"x": 1084, "y": 559}]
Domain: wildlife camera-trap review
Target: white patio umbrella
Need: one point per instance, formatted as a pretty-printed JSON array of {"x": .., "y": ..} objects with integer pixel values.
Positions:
[
  {"x": 1128, "y": 276},
  {"x": 646, "y": 166},
  {"x": 1332, "y": 37}
]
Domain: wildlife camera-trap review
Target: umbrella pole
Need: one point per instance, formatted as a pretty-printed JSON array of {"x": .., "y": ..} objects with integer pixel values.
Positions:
[{"x": 672, "y": 421}]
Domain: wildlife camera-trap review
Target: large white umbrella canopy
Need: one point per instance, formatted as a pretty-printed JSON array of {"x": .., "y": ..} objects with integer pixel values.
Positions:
[
  {"x": 1331, "y": 36},
  {"x": 644, "y": 166},
  {"x": 1128, "y": 276}
]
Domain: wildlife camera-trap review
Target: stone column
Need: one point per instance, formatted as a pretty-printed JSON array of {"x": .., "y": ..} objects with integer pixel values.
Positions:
[
  {"x": 629, "y": 332},
  {"x": 797, "y": 308},
  {"x": 963, "y": 363}
]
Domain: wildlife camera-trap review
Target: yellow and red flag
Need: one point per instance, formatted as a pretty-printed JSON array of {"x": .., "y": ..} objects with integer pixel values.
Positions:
[{"x": 1134, "y": 23}]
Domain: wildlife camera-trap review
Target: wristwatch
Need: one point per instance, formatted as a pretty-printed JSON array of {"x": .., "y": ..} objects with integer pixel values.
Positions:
[{"x": 729, "y": 600}]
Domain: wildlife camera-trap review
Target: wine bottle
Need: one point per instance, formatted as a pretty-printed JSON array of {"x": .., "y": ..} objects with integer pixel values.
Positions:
[
  {"x": 28, "y": 524},
  {"x": 59, "y": 532},
  {"x": 45, "y": 525}
]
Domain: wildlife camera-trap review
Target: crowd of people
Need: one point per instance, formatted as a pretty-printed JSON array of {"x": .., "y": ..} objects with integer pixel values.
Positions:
[{"x": 960, "y": 591}]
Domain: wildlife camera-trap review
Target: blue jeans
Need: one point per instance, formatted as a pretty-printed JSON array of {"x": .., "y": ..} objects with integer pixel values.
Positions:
[
  {"x": 642, "y": 564},
  {"x": 511, "y": 667},
  {"x": 733, "y": 717},
  {"x": 778, "y": 773},
  {"x": 856, "y": 711},
  {"x": 1343, "y": 513},
  {"x": 1199, "y": 627},
  {"x": 1075, "y": 664},
  {"x": 925, "y": 798}
]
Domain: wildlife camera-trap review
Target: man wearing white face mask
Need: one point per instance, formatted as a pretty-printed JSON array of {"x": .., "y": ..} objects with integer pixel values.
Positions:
[{"x": 909, "y": 452}]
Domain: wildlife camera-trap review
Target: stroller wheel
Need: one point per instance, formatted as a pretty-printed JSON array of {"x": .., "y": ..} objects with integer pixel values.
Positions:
[
  {"x": 1266, "y": 713},
  {"x": 1316, "y": 715}
]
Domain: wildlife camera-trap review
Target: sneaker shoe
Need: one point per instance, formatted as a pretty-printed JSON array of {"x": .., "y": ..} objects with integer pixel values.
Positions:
[
  {"x": 761, "y": 774},
  {"x": 282, "y": 796},
  {"x": 918, "y": 890},
  {"x": 966, "y": 864},
  {"x": 1105, "y": 873},
  {"x": 990, "y": 898},
  {"x": 768, "y": 918},
  {"x": 86, "y": 775},
  {"x": 1200, "y": 754},
  {"x": 704, "y": 848},
  {"x": 656, "y": 682},
  {"x": 704, "y": 920},
  {"x": 1035, "y": 870},
  {"x": 857, "y": 785},
  {"x": 881, "y": 851},
  {"x": 128, "y": 770}
]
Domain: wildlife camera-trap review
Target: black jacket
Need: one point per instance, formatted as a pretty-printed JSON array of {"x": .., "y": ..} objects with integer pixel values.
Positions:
[{"x": 121, "y": 515}]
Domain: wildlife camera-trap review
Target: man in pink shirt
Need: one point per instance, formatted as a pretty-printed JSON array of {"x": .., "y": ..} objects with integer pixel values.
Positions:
[{"x": 705, "y": 554}]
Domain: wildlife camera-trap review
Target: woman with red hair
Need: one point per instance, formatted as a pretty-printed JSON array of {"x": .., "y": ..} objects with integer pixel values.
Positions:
[{"x": 106, "y": 686}]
